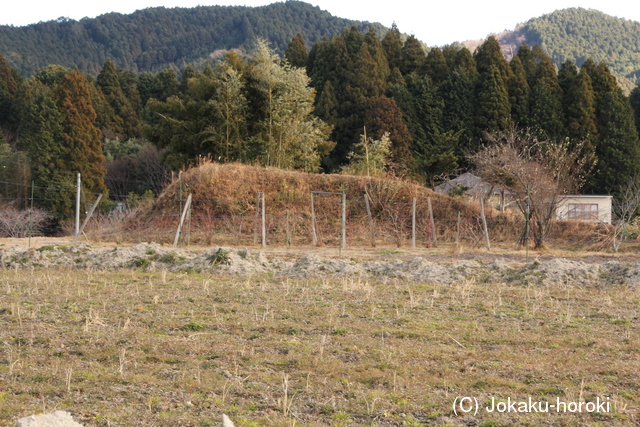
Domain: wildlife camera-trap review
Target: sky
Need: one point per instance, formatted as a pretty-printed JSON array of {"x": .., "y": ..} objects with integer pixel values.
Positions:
[{"x": 436, "y": 23}]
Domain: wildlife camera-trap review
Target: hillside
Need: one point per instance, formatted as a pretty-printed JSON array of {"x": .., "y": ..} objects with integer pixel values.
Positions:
[
  {"x": 155, "y": 38},
  {"x": 576, "y": 34}
]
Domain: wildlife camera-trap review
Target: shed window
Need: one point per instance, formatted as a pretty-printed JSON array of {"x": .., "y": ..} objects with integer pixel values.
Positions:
[{"x": 583, "y": 211}]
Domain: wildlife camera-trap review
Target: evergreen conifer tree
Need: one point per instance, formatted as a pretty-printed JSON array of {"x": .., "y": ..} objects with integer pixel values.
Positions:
[
  {"x": 519, "y": 93},
  {"x": 413, "y": 56},
  {"x": 493, "y": 111},
  {"x": 392, "y": 45},
  {"x": 296, "y": 53}
]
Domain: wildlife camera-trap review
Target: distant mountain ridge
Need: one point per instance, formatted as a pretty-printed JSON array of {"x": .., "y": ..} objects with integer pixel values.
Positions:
[
  {"x": 155, "y": 38},
  {"x": 576, "y": 34}
]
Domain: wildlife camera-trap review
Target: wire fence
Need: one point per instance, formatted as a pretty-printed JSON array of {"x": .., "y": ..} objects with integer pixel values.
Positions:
[{"x": 323, "y": 219}]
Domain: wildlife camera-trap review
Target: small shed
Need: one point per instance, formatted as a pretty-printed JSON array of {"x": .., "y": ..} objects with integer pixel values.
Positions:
[
  {"x": 585, "y": 208},
  {"x": 471, "y": 185}
]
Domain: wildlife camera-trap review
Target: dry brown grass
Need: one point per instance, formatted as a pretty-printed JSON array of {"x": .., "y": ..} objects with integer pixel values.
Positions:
[
  {"x": 224, "y": 212},
  {"x": 132, "y": 348}
]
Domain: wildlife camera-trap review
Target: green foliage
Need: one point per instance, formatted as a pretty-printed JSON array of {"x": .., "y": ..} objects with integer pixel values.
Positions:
[
  {"x": 153, "y": 39},
  {"x": 296, "y": 53},
  {"x": 221, "y": 257},
  {"x": 576, "y": 34},
  {"x": 369, "y": 156}
]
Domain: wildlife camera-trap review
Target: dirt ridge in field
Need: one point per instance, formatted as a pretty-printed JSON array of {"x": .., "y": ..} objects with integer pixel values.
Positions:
[{"x": 155, "y": 257}]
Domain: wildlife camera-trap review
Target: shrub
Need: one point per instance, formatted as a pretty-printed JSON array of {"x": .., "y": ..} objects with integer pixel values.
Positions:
[{"x": 17, "y": 223}]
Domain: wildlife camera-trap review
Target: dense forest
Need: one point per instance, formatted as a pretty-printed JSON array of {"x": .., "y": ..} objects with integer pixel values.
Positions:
[
  {"x": 326, "y": 108},
  {"x": 577, "y": 34},
  {"x": 155, "y": 38}
]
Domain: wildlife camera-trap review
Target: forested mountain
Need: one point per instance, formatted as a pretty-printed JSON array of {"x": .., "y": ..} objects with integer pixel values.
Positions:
[
  {"x": 155, "y": 38},
  {"x": 350, "y": 97},
  {"x": 577, "y": 34}
]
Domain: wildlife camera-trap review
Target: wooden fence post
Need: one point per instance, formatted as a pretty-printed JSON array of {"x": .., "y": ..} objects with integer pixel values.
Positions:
[
  {"x": 314, "y": 235},
  {"x": 264, "y": 225},
  {"x": 255, "y": 220},
  {"x": 458, "y": 233},
  {"x": 484, "y": 225},
  {"x": 432, "y": 225},
  {"x": 413, "y": 224},
  {"x": 182, "y": 217},
  {"x": 371, "y": 225},
  {"x": 86, "y": 220},
  {"x": 287, "y": 230},
  {"x": 343, "y": 222}
]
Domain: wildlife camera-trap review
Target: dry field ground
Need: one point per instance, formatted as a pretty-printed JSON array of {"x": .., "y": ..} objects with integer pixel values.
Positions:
[{"x": 136, "y": 348}]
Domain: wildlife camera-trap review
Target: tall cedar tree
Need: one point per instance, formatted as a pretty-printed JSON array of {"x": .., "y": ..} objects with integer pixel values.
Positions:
[
  {"x": 519, "y": 93},
  {"x": 433, "y": 147},
  {"x": 493, "y": 111},
  {"x": 457, "y": 93},
  {"x": 125, "y": 123},
  {"x": 392, "y": 45},
  {"x": 9, "y": 84},
  {"x": 578, "y": 103},
  {"x": 634, "y": 100},
  {"x": 436, "y": 66},
  {"x": 413, "y": 56},
  {"x": 489, "y": 55},
  {"x": 296, "y": 53},
  {"x": 82, "y": 140},
  {"x": 384, "y": 116},
  {"x": 463, "y": 62},
  {"x": 528, "y": 63},
  {"x": 327, "y": 104},
  {"x": 359, "y": 75},
  {"x": 40, "y": 136},
  {"x": 618, "y": 149},
  {"x": 546, "y": 99}
]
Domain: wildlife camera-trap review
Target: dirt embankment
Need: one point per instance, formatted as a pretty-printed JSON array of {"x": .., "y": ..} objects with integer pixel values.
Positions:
[{"x": 438, "y": 270}]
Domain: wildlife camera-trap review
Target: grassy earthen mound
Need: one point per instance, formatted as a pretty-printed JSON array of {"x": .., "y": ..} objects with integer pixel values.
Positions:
[{"x": 226, "y": 200}]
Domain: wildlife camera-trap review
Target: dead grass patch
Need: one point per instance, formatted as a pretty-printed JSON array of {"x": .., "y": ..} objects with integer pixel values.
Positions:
[{"x": 133, "y": 348}]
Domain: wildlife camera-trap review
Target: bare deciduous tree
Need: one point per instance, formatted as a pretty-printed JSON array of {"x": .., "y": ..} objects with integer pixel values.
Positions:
[
  {"x": 628, "y": 203},
  {"x": 21, "y": 223},
  {"x": 538, "y": 174}
]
